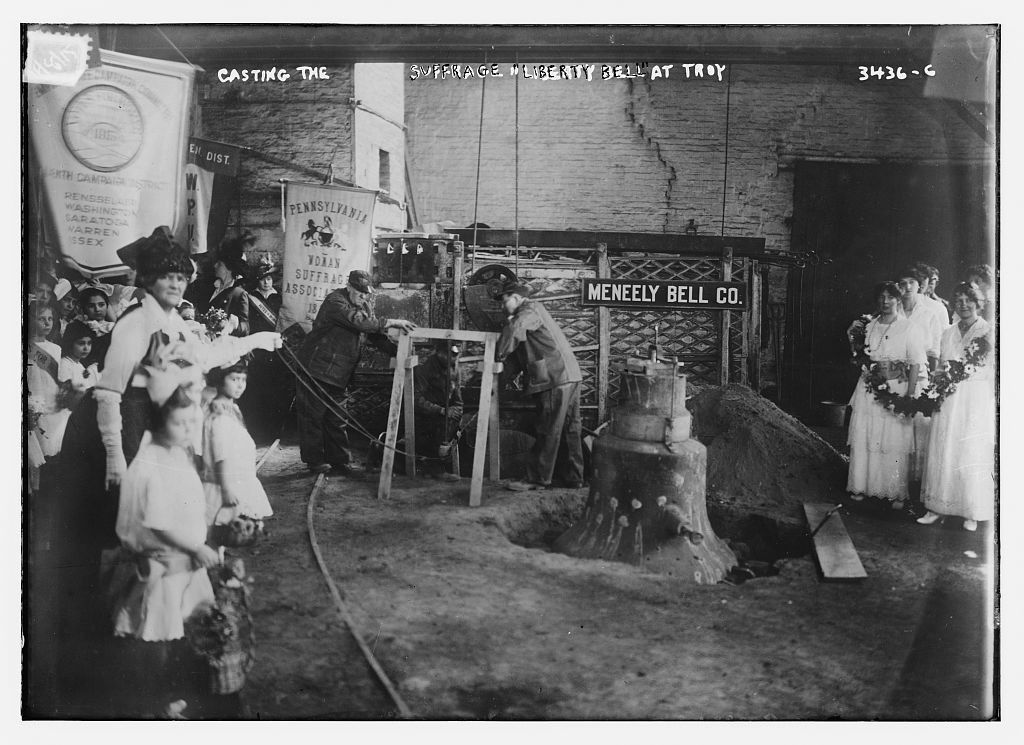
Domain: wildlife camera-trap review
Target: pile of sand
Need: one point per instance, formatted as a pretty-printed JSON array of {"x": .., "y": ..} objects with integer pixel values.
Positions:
[{"x": 759, "y": 457}]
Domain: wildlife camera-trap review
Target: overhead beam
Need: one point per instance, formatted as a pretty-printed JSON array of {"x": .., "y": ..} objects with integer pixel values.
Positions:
[
  {"x": 331, "y": 44},
  {"x": 615, "y": 241}
]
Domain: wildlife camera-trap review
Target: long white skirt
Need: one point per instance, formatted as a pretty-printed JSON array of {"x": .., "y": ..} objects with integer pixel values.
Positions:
[
  {"x": 960, "y": 475},
  {"x": 881, "y": 447}
]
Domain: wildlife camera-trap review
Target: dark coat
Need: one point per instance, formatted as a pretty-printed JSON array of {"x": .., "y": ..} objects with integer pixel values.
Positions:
[
  {"x": 257, "y": 319},
  {"x": 234, "y": 300},
  {"x": 540, "y": 347},
  {"x": 331, "y": 349}
]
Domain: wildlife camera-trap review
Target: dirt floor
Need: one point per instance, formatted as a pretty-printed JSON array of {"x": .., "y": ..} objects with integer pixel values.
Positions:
[{"x": 472, "y": 617}]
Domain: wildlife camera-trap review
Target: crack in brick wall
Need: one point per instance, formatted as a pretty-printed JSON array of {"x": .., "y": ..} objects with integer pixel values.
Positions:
[{"x": 655, "y": 146}]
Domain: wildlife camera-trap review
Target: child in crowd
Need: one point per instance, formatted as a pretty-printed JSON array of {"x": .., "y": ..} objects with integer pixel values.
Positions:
[
  {"x": 229, "y": 453},
  {"x": 76, "y": 374},
  {"x": 94, "y": 301},
  {"x": 67, "y": 306},
  {"x": 41, "y": 378},
  {"x": 160, "y": 578}
]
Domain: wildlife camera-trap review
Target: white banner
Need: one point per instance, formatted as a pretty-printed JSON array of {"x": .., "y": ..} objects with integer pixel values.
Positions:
[
  {"x": 328, "y": 233},
  {"x": 109, "y": 154},
  {"x": 198, "y": 196}
]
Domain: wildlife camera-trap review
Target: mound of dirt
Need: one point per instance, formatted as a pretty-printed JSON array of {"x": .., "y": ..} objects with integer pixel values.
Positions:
[{"x": 760, "y": 458}]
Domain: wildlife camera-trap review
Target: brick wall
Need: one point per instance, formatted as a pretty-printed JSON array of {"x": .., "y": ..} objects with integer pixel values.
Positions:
[
  {"x": 643, "y": 155},
  {"x": 649, "y": 155},
  {"x": 313, "y": 124}
]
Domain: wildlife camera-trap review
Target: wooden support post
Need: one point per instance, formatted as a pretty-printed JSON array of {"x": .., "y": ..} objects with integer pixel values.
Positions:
[
  {"x": 604, "y": 346},
  {"x": 494, "y": 426},
  {"x": 482, "y": 423},
  {"x": 459, "y": 251},
  {"x": 410, "y": 414},
  {"x": 754, "y": 340},
  {"x": 745, "y": 330},
  {"x": 403, "y": 397},
  {"x": 723, "y": 375},
  {"x": 394, "y": 412}
]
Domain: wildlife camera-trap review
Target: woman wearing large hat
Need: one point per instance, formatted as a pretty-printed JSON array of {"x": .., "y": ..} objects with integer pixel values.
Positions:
[
  {"x": 229, "y": 295},
  {"x": 105, "y": 429}
]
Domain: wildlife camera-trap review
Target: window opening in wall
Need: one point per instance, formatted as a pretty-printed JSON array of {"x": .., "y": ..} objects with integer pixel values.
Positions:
[{"x": 384, "y": 173}]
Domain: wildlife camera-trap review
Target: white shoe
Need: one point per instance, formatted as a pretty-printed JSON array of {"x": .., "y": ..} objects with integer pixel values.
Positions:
[
  {"x": 929, "y": 518},
  {"x": 175, "y": 710},
  {"x": 970, "y": 525},
  {"x": 857, "y": 497}
]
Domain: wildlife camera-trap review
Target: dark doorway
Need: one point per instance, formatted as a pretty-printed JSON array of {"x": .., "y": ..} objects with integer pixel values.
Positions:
[{"x": 866, "y": 222}]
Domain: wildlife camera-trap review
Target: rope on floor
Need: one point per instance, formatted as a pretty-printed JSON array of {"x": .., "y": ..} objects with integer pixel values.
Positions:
[
  {"x": 267, "y": 454},
  {"x": 388, "y": 686}
]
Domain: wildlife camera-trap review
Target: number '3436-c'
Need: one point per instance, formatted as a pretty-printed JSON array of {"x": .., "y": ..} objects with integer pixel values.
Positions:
[{"x": 890, "y": 73}]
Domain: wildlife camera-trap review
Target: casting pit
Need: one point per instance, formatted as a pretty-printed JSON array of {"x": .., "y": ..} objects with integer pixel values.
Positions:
[{"x": 759, "y": 541}]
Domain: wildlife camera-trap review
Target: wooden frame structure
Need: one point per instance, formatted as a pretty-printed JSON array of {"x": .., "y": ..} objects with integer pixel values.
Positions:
[{"x": 403, "y": 396}]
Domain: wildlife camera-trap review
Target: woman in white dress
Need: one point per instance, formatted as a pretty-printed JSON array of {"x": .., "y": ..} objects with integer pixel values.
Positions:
[
  {"x": 960, "y": 479},
  {"x": 882, "y": 442}
]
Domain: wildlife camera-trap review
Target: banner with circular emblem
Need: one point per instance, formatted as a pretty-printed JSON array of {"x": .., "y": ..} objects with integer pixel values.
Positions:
[{"x": 108, "y": 156}]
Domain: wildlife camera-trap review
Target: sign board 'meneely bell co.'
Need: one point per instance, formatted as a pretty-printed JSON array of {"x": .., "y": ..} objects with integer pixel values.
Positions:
[{"x": 627, "y": 293}]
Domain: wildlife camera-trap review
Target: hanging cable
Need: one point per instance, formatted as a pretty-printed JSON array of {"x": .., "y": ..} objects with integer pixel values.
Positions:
[
  {"x": 516, "y": 222},
  {"x": 295, "y": 366},
  {"x": 161, "y": 32},
  {"x": 725, "y": 175},
  {"x": 479, "y": 151}
]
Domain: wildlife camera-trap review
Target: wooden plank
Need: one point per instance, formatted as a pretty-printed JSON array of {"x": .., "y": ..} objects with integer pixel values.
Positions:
[
  {"x": 537, "y": 272},
  {"x": 723, "y": 375},
  {"x": 424, "y": 332},
  {"x": 394, "y": 412},
  {"x": 745, "y": 332},
  {"x": 410, "y": 414},
  {"x": 482, "y": 423},
  {"x": 494, "y": 427},
  {"x": 754, "y": 341},
  {"x": 836, "y": 555},
  {"x": 604, "y": 332},
  {"x": 458, "y": 249}
]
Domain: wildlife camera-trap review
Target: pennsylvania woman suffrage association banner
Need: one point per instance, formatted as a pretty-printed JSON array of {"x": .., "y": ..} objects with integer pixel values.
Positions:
[{"x": 328, "y": 233}]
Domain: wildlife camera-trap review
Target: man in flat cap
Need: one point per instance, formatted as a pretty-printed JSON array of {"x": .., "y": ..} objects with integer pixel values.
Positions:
[
  {"x": 331, "y": 352},
  {"x": 531, "y": 338}
]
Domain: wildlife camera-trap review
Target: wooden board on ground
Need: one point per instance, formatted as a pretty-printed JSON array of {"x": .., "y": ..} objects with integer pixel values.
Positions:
[{"x": 837, "y": 557}]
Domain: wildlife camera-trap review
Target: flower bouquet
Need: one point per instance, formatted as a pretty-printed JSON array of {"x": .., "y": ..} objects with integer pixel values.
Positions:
[
  {"x": 944, "y": 382},
  {"x": 36, "y": 408},
  {"x": 857, "y": 334},
  {"x": 225, "y": 633},
  {"x": 216, "y": 322}
]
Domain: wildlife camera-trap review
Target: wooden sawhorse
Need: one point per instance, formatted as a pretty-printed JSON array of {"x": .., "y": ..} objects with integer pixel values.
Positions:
[{"x": 403, "y": 389}]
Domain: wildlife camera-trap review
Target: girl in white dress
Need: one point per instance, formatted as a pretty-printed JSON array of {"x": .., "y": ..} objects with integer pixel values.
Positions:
[
  {"x": 881, "y": 442},
  {"x": 73, "y": 376},
  {"x": 960, "y": 476},
  {"x": 43, "y": 361},
  {"x": 160, "y": 577},
  {"x": 229, "y": 453}
]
